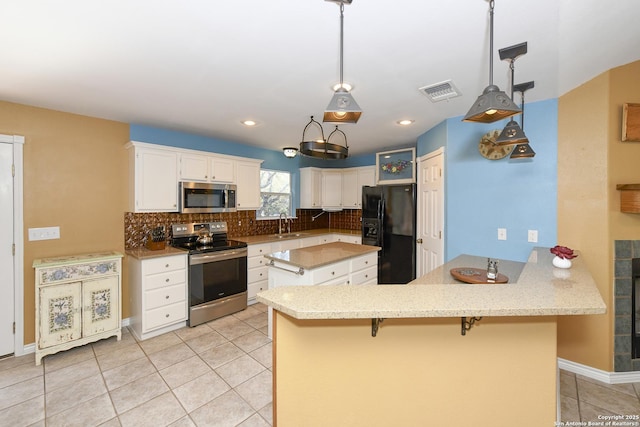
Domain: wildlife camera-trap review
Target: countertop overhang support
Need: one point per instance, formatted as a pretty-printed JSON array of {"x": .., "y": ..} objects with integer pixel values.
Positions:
[
  {"x": 466, "y": 325},
  {"x": 375, "y": 325}
]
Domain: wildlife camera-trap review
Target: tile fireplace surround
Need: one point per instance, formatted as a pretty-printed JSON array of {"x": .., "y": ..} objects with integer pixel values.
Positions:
[{"x": 625, "y": 251}]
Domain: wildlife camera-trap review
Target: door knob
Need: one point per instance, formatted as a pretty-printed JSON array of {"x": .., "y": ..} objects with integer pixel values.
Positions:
[{"x": 419, "y": 241}]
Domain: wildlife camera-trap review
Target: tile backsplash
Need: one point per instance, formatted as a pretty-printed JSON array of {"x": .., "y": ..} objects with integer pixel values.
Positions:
[{"x": 137, "y": 226}]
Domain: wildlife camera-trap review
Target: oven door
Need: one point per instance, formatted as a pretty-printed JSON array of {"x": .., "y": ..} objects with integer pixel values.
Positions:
[{"x": 217, "y": 275}]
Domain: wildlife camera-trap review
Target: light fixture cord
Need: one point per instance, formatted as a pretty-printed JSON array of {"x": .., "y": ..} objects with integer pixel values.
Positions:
[
  {"x": 491, "y": 4},
  {"x": 341, "y": 39},
  {"x": 522, "y": 108}
]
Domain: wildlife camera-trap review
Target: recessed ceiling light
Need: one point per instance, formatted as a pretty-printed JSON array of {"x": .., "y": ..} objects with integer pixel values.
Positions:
[
  {"x": 345, "y": 85},
  {"x": 249, "y": 122},
  {"x": 405, "y": 122}
]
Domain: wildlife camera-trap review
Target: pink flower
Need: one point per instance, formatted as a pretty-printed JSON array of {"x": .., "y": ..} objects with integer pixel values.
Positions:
[{"x": 563, "y": 252}]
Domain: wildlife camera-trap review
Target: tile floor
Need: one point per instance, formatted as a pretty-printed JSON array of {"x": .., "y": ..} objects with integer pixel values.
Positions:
[{"x": 217, "y": 374}]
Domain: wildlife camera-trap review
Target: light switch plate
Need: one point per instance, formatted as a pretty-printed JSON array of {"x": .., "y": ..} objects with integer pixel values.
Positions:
[
  {"x": 44, "y": 233},
  {"x": 502, "y": 234}
]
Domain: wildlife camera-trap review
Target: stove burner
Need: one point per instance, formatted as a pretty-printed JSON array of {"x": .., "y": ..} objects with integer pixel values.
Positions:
[{"x": 185, "y": 236}]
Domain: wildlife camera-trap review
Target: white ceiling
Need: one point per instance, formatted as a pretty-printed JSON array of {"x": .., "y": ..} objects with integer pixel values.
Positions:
[{"x": 202, "y": 66}]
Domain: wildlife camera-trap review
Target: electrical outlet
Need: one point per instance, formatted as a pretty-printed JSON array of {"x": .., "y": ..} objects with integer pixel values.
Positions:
[
  {"x": 44, "y": 233},
  {"x": 502, "y": 234},
  {"x": 532, "y": 236}
]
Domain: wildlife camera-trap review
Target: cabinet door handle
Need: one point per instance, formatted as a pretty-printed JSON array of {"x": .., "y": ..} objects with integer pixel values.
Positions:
[
  {"x": 333, "y": 273},
  {"x": 166, "y": 266},
  {"x": 166, "y": 280},
  {"x": 366, "y": 262},
  {"x": 166, "y": 315},
  {"x": 167, "y": 297}
]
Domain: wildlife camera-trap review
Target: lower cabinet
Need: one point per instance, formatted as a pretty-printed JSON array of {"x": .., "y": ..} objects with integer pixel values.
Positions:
[
  {"x": 78, "y": 301},
  {"x": 257, "y": 270},
  {"x": 159, "y": 298}
]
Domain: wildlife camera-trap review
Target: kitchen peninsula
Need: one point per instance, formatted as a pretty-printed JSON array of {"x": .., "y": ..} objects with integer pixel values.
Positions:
[{"x": 420, "y": 368}]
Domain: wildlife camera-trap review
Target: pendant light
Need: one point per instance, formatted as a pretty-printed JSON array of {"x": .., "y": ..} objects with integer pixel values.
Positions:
[
  {"x": 493, "y": 104},
  {"x": 512, "y": 134},
  {"x": 523, "y": 150},
  {"x": 342, "y": 108},
  {"x": 320, "y": 148}
]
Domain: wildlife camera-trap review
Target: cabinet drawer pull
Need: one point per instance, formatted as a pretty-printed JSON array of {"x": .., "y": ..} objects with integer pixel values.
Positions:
[
  {"x": 366, "y": 262},
  {"x": 167, "y": 266},
  {"x": 167, "y": 297},
  {"x": 166, "y": 280},
  {"x": 333, "y": 273},
  {"x": 166, "y": 315}
]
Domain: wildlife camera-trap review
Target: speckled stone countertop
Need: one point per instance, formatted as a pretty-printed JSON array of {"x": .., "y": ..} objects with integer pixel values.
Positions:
[
  {"x": 316, "y": 256},
  {"x": 539, "y": 290},
  {"x": 268, "y": 238},
  {"x": 144, "y": 253}
]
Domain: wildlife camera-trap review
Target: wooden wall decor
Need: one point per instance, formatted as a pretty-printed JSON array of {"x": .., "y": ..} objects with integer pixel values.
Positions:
[
  {"x": 629, "y": 197},
  {"x": 631, "y": 122}
]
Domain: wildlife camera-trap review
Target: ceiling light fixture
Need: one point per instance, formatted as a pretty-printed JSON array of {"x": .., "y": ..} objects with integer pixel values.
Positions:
[
  {"x": 512, "y": 134},
  {"x": 290, "y": 152},
  {"x": 249, "y": 123},
  {"x": 523, "y": 150},
  {"x": 493, "y": 104},
  {"x": 405, "y": 122},
  {"x": 342, "y": 108},
  {"x": 329, "y": 149}
]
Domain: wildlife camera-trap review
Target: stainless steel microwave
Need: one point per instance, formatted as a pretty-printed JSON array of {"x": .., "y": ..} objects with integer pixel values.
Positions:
[{"x": 202, "y": 197}]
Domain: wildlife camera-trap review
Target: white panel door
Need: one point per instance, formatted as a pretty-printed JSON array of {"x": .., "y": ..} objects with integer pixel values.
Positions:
[
  {"x": 430, "y": 242},
  {"x": 6, "y": 254}
]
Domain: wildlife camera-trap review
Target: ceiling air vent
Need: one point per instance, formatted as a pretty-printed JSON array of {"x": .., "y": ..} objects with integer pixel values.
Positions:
[{"x": 440, "y": 91}]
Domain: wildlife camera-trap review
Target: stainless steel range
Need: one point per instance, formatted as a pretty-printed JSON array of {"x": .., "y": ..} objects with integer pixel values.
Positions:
[{"x": 217, "y": 270}]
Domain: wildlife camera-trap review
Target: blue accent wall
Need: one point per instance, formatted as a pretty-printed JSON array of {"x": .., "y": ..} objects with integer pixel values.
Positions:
[{"x": 483, "y": 195}]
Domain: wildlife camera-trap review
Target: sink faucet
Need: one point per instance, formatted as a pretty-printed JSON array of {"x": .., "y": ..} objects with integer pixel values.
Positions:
[{"x": 282, "y": 216}]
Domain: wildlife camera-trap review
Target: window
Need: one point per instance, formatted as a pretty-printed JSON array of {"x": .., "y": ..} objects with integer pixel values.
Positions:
[{"x": 275, "y": 191}]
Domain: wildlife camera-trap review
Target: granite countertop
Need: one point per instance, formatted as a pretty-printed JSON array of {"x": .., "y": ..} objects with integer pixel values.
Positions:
[
  {"x": 317, "y": 256},
  {"x": 144, "y": 253},
  {"x": 536, "y": 289},
  {"x": 268, "y": 238}
]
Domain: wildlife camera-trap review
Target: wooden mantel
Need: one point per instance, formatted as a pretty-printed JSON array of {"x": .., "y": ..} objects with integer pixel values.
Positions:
[{"x": 629, "y": 198}]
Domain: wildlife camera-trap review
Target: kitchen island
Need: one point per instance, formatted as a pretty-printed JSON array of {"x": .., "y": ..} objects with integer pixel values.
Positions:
[{"x": 446, "y": 353}]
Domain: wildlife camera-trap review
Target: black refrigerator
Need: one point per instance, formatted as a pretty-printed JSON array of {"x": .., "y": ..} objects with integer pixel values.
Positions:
[{"x": 389, "y": 221}]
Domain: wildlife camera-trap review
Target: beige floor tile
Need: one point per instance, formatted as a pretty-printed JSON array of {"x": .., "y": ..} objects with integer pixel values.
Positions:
[
  {"x": 23, "y": 414},
  {"x": 257, "y": 391},
  {"x": 40, "y": 423},
  {"x": 223, "y": 321},
  {"x": 251, "y": 341},
  {"x": 254, "y": 421},
  {"x": 569, "y": 409},
  {"x": 183, "y": 422},
  {"x": 260, "y": 307},
  {"x": 111, "y": 344},
  {"x": 25, "y": 390},
  {"x": 74, "y": 394},
  {"x": 71, "y": 374},
  {"x": 113, "y": 422},
  {"x": 12, "y": 361},
  {"x": 239, "y": 370},
  {"x": 568, "y": 385},
  {"x": 258, "y": 321},
  {"x": 66, "y": 358},
  {"x": 117, "y": 377},
  {"x": 226, "y": 410},
  {"x": 171, "y": 355},
  {"x": 200, "y": 391},
  {"x": 264, "y": 355},
  {"x": 267, "y": 413},
  {"x": 221, "y": 354},
  {"x": 185, "y": 371},
  {"x": 206, "y": 341},
  {"x": 138, "y": 392},
  {"x": 234, "y": 330},
  {"x": 90, "y": 413},
  {"x": 590, "y": 412},
  {"x": 265, "y": 330},
  {"x": 605, "y": 397},
  {"x": 247, "y": 313},
  {"x": 159, "y": 343},
  {"x": 188, "y": 332},
  {"x": 160, "y": 411},
  {"x": 120, "y": 356},
  {"x": 19, "y": 373}
]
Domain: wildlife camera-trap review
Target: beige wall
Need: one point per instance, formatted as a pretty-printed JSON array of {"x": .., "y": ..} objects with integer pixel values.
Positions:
[
  {"x": 591, "y": 161},
  {"x": 75, "y": 177}
]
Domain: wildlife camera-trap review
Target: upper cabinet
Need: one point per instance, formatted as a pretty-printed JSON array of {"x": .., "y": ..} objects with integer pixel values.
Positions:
[
  {"x": 310, "y": 188},
  {"x": 334, "y": 189},
  {"x": 248, "y": 182},
  {"x": 153, "y": 179},
  {"x": 203, "y": 168}
]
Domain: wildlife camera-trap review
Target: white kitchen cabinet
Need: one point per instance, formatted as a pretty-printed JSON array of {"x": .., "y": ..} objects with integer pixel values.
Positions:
[
  {"x": 257, "y": 270},
  {"x": 310, "y": 241},
  {"x": 352, "y": 181},
  {"x": 78, "y": 301},
  {"x": 153, "y": 179},
  {"x": 159, "y": 294},
  {"x": 310, "y": 188},
  {"x": 203, "y": 168},
  {"x": 248, "y": 182},
  {"x": 332, "y": 190},
  {"x": 222, "y": 170},
  {"x": 348, "y": 238}
]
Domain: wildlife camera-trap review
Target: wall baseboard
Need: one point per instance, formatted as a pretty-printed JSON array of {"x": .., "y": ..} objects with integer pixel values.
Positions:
[
  {"x": 31, "y": 348},
  {"x": 598, "y": 374}
]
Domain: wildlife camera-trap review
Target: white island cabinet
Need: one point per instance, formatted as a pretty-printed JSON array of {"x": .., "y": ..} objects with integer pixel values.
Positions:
[{"x": 78, "y": 301}]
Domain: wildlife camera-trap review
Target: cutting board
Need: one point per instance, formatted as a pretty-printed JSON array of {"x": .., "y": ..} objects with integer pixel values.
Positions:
[{"x": 475, "y": 275}]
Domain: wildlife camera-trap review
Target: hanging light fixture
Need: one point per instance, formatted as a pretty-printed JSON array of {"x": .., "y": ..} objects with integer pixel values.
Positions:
[
  {"x": 523, "y": 150},
  {"x": 290, "y": 152},
  {"x": 493, "y": 104},
  {"x": 342, "y": 108},
  {"x": 329, "y": 149},
  {"x": 512, "y": 134}
]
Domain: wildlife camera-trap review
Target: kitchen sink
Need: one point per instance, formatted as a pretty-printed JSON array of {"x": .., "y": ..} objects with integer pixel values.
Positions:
[{"x": 289, "y": 235}]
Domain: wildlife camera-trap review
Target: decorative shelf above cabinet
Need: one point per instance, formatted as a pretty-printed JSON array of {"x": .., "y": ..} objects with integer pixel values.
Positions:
[{"x": 629, "y": 197}]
